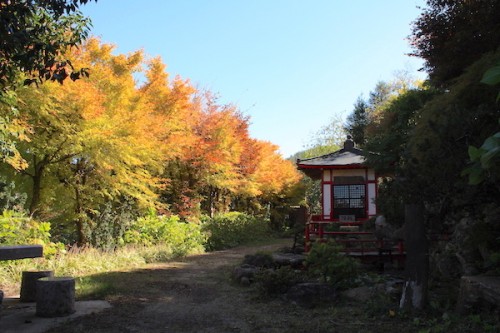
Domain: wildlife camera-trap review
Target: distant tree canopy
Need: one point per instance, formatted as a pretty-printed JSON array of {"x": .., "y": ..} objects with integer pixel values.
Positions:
[
  {"x": 367, "y": 114},
  {"x": 327, "y": 139},
  {"x": 34, "y": 33}
]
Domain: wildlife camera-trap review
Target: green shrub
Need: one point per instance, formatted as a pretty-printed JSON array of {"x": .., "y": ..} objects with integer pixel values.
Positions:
[
  {"x": 18, "y": 229},
  {"x": 272, "y": 282},
  {"x": 233, "y": 229},
  {"x": 328, "y": 262},
  {"x": 106, "y": 227},
  {"x": 153, "y": 229}
]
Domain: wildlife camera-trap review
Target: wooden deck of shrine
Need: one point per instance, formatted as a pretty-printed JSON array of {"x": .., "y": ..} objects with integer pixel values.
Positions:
[{"x": 363, "y": 245}]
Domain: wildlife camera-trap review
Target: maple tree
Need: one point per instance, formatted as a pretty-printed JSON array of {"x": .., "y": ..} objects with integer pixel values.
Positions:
[
  {"x": 104, "y": 140},
  {"x": 94, "y": 134},
  {"x": 207, "y": 167},
  {"x": 223, "y": 167}
]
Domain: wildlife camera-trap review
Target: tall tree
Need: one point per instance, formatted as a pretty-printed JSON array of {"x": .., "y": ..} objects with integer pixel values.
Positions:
[
  {"x": 53, "y": 132},
  {"x": 368, "y": 114},
  {"x": 34, "y": 35},
  {"x": 450, "y": 35},
  {"x": 96, "y": 135},
  {"x": 357, "y": 121}
]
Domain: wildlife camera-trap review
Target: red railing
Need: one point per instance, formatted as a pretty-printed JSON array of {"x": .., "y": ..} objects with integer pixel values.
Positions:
[{"x": 355, "y": 242}]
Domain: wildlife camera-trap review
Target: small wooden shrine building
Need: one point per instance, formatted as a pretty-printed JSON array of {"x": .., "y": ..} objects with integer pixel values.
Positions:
[
  {"x": 348, "y": 186},
  {"x": 348, "y": 200},
  {"x": 349, "y": 191}
]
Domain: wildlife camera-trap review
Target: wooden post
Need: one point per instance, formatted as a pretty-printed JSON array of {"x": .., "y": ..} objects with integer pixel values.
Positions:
[
  {"x": 55, "y": 296},
  {"x": 414, "y": 295},
  {"x": 28, "y": 284},
  {"x": 307, "y": 238}
]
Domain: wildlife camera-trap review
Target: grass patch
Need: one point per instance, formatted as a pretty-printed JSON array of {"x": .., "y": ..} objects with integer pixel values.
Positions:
[
  {"x": 82, "y": 263},
  {"x": 88, "y": 287}
]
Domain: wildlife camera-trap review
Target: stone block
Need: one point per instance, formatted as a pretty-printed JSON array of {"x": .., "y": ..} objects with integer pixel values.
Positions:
[
  {"x": 55, "y": 296},
  {"x": 28, "y": 284}
]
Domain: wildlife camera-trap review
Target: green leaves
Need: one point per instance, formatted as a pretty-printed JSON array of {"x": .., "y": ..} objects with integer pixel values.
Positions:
[
  {"x": 474, "y": 153},
  {"x": 492, "y": 77},
  {"x": 485, "y": 160},
  {"x": 16, "y": 228},
  {"x": 34, "y": 34}
]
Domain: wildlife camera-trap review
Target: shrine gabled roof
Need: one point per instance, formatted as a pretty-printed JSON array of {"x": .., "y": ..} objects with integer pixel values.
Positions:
[
  {"x": 341, "y": 158},
  {"x": 345, "y": 158}
]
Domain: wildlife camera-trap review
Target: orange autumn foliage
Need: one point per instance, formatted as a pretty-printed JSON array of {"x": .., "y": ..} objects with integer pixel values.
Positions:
[{"x": 163, "y": 143}]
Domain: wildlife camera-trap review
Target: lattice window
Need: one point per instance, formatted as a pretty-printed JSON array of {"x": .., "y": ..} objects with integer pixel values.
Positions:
[{"x": 349, "y": 196}]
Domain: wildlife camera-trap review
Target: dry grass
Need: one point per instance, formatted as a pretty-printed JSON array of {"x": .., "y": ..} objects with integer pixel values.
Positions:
[{"x": 80, "y": 262}]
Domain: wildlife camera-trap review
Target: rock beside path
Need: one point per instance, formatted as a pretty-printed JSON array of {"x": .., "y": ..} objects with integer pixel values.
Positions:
[
  {"x": 289, "y": 259},
  {"x": 310, "y": 294},
  {"x": 479, "y": 293},
  {"x": 252, "y": 264}
]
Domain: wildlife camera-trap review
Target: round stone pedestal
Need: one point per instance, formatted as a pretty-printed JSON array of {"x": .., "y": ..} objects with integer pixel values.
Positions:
[
  {"x": 28, "y": 284},
  {"x": 55, "y": 296}
]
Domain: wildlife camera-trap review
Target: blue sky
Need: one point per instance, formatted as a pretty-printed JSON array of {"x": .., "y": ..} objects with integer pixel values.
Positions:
[{"x": 290, "y": 65}]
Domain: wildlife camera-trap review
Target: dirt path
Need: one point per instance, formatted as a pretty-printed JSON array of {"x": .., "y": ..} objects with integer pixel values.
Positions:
[
  {"x": 193, "y": 295},
  {"x": 196, "y": 295}
]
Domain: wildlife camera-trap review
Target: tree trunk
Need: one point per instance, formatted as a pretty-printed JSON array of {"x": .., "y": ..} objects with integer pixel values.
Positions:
[
  {"x": 80, "y": 173},
  {"x": 37, "y": 186},
  {"x": 79, "y": 220},
  {"x": 417, "y": 259}
]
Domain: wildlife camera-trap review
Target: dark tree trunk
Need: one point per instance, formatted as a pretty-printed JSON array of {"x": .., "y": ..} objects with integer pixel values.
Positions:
[
  {"x": 414, "y": 296},
  {"x": 36, "y": 177},
  {"x": 79, "y": 221},
  {"x": 35, "y": 194},
  {"x": 80, "y": 173}
]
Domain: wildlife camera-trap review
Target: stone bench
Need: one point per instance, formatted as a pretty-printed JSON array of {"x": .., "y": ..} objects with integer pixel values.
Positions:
[
  {"x": 54, "y": 296},
  {"x": 14, "y": 252}
]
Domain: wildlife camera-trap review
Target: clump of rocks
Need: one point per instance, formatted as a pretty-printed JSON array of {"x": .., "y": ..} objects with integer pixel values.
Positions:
[
  {"x": 284, "y": 275},
  {"x": 253, "y": 264}
]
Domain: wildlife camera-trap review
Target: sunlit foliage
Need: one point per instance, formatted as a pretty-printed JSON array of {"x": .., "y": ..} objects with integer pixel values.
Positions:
[{"x": 102, "y": 141}]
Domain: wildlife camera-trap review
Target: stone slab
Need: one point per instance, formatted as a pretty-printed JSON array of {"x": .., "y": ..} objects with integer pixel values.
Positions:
[
  {"x": 20, "y": 252},
  {"x": 19, "y": 317}
]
